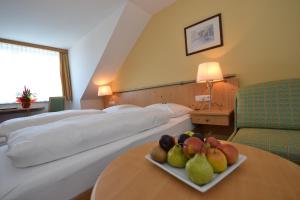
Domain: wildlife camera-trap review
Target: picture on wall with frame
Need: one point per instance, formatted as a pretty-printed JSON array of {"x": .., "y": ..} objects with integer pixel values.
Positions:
[{"x": 204, "y": 35}]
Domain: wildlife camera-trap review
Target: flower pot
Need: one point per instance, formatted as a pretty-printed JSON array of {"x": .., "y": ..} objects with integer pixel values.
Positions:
[{"x": 25, "y": 104}]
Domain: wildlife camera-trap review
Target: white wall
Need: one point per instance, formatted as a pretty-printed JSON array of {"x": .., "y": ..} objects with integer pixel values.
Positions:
[
  {"x": 85, "y": 54},
  {"x": 130, "y": 25}
]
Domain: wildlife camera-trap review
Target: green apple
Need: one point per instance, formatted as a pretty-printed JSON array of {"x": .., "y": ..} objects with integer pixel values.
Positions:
[{"x": 190, "y": 133}]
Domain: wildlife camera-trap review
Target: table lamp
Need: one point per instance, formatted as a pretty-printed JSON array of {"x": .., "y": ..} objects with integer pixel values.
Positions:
[
  {"x": 104, "y": 90},
  {"x": 209, "y": 72}
]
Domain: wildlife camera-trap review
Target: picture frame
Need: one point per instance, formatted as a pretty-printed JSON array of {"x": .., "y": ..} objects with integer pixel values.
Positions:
[{"x": 204, "y": 35}]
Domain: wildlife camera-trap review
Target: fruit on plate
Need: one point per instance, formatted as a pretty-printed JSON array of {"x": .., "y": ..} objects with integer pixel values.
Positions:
[
  {"x": 189, "y": 133},
  {"x": 231, "y": 153},
  {"x": 191, "y": 146},
  {"x": 182, "y": 138},
  {"x": 176, "y": 157},
  {"x": 213, "y": 142},
  {"x": 199, "y": 170},
  {"x": 199, "y": 135},
  {"x": 217, "y": 159},
  {"x": 158, "y": 154},
  {"x": 166, "y": 142}
]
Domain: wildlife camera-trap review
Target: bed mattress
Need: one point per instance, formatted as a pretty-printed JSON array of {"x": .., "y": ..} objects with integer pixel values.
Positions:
[{"x": 66, "y": 178}]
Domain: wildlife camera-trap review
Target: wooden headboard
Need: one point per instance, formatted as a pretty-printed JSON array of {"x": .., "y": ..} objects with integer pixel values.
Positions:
[{"x": 182, "y": 93}]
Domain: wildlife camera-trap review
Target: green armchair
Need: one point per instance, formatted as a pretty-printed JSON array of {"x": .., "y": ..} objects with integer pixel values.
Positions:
[
  {"x": 56, "y": 104},
  {"x": 267, "y": 116}
]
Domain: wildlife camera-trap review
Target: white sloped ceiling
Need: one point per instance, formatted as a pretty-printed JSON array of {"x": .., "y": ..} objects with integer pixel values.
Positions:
[
  {"x": 57, "y": 23},
  {"x": 85, "y": 55},
  {"x": 131, "y": 23}
]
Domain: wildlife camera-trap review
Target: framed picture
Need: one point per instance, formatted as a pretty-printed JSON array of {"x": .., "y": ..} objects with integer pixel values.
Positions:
[{"x": 203, "y": 35}]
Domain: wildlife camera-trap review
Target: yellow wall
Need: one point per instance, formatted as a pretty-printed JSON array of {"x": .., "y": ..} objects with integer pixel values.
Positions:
[{"x": 261, "y": 43}]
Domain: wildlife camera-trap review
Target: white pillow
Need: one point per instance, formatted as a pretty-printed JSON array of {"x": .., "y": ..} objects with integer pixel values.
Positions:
[
  {"x": 174, "y": 109},
  {"x": 119, "y": 107},
  {"x": 12, "y": 125}
]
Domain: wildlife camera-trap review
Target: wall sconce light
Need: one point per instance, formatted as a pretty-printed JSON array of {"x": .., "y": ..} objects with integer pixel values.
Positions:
[
  {"x": 104, "y": 90},
  {"x": 209, "y": 72}
]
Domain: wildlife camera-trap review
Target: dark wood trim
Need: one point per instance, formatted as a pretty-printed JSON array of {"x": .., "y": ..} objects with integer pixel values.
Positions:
[
  {"x": 20, "y": 110},
  {"x": 157, "y": 86},
  {"x": 33, "y": 45},
  {"x": 169, "y": 84},
  {"x": 221, "y": 35}
]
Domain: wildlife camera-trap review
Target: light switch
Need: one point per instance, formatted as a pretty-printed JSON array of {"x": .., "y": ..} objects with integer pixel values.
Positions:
[{"x": 202, "y": 98}]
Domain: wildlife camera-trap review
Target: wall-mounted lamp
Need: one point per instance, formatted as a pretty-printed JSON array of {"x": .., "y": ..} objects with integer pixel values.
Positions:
[
  {"x": 104, "y": 90},
  {"x": 209, "y": 72}
]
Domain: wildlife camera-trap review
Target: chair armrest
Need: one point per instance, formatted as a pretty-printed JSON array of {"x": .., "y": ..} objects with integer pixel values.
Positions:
[{"x": 232, "y": 135}]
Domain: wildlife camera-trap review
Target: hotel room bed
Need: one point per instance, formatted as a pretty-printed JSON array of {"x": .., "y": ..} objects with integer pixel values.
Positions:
[{"x": 66, "y": 178}]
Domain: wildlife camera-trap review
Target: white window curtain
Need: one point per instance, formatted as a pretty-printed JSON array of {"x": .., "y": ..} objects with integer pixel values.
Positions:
[{"x": 37, "y": 69}]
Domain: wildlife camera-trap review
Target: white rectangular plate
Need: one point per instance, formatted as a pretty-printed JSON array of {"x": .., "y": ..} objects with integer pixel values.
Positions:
[{"x": 181, "y": 174}]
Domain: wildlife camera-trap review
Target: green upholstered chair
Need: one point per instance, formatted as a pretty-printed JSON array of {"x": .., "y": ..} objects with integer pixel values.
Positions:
[
  {"x": 267, "y": 116},
  {"x": 56, "y": 104}
]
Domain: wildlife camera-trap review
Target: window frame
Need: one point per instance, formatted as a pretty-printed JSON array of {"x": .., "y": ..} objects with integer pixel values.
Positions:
[{"x": 26, "y": 44}]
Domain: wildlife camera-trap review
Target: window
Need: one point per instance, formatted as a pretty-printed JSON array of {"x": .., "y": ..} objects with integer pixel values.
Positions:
[{"x": 35, "y": 68}]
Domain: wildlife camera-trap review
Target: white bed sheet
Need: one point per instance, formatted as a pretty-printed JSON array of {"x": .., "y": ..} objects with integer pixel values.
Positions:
[{"x": 66, "y": 178}]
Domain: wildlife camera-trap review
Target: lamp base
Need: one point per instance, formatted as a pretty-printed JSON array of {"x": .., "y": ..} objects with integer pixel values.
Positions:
[{"x": 209, "y": 85}]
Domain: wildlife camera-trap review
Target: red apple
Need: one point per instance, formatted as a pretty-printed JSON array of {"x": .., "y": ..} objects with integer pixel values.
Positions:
[
  {"x": 231, "y": 153},
  {"x": 191, "y": 146},
  {"x": 213, "y": 142}
]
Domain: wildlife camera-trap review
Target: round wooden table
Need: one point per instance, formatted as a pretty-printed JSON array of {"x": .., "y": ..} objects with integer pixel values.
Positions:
[{"x": 262, "y": 176}]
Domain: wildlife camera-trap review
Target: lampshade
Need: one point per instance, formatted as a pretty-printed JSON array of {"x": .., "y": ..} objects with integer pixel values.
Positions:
[
  {"x": 104, "y": 90},
  {"x": 209, "y": 71}
]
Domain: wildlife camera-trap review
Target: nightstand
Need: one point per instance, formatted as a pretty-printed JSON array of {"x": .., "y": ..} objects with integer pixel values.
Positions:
[
  {"x": 211, "y": 117},
  {"x": 218, "y": 123}
]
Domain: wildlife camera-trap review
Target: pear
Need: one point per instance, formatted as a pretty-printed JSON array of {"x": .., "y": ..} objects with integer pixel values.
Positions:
[
  {"x": 217, "y": 159},
  {"x": 176, "y": 157},
  {"x": 199, "y": 170},
  {"x": 158, "y": 154}
]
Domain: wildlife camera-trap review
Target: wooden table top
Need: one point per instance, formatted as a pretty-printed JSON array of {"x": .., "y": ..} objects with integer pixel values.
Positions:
[{"x": 262, "y": 176}]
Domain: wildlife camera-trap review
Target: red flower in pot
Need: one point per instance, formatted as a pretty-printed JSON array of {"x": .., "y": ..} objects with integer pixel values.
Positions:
[{"x": 25, "y": 98}]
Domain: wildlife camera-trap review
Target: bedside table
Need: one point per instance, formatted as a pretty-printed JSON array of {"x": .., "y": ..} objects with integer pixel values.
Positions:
[
  {"x": 218, "y": 123},
  {"x": 211, "y": 117}
]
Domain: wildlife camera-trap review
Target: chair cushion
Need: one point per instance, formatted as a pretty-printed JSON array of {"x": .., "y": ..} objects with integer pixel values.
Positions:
[
  {"x": 269, "y": 105},
  {"x": 285, "y": 143}
]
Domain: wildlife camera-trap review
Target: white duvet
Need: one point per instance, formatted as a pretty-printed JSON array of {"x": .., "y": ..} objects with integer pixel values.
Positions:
[
  {"x": 45, "y": 143},
  {"x": 11, "y": 125}
]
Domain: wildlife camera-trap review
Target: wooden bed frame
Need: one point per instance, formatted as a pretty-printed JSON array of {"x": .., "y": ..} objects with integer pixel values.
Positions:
[{"x": 183, "y": 93}]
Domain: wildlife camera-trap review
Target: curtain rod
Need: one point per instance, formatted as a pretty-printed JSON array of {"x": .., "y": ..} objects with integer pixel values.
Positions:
[{"x": 33, "y": 45}]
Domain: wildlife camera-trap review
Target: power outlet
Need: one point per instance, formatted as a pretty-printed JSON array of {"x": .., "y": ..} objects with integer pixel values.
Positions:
[
  {"x": 111, "y": 102},
  {"x": 202, "y": 98}
]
